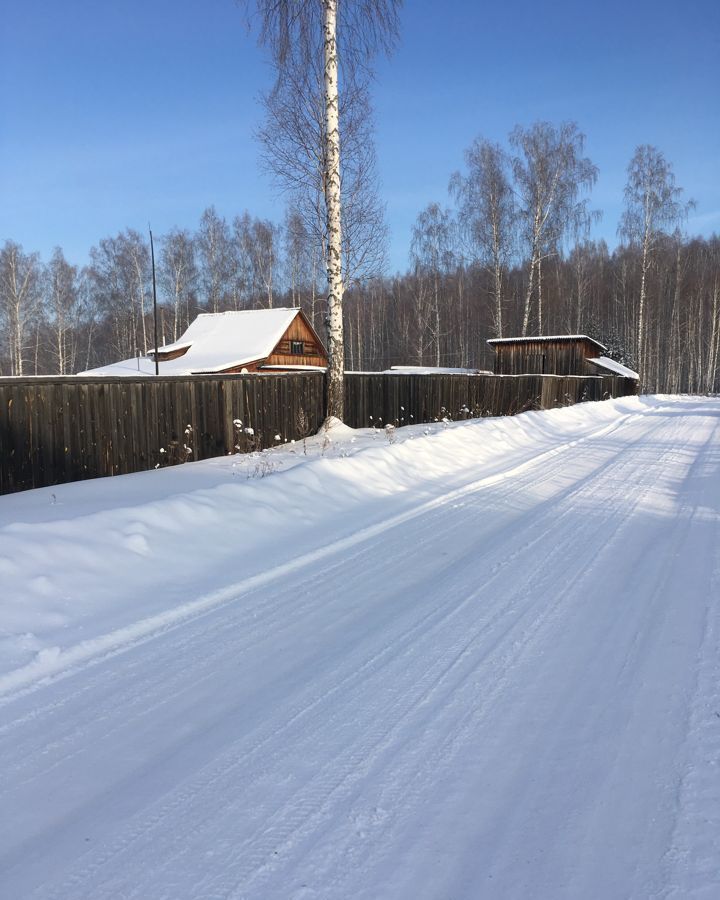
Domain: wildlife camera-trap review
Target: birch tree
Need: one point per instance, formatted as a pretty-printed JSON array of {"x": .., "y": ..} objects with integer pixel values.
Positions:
[
  {"x": 19, "y": 299},
  {"x": 653, "y": 205},
  {"x": 119, "y": 284},
  {"x": 258, "y": 240},
  {"x": 432, "y": 256},
  {"x": 713, "y": 346},
  {"x": 550, "y": 175},
  {"x": 137, "y": 258},
  {"x": 487, "y": 215},
  {"x": 63, "y": 308},
  {"x": 301, "y": 261},
  {"x": 345, "y": 35},
  {"x": 293, "y": 142},
  {"x": 216, "y": 259},
  {"x": 178, "y": 276}
]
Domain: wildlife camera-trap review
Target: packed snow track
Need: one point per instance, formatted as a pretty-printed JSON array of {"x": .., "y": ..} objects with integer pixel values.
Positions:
[{"x": 482, "y": 662}]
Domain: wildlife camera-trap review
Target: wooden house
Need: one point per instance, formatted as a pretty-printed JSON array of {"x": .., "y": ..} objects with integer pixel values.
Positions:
[
  {"x": 256, "y": 340},
  {"x": 565, "y": 354}
]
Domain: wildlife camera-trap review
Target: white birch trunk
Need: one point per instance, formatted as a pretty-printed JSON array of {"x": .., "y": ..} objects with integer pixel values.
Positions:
[
  {"x": 336, "y": 362},
  {"x": 497, "y": 272},
  {"x": 528, "y": 297},
  {"x": 437, "y": 321},
  {"x": 714, "y": 347},
  {"x": 641, "y": 327},
  {"x": 60, "y": 338},
  {"x": 16, "y": 324},
  {"x": 141, "y": 298},
  {"x": 540, "y": 300}
]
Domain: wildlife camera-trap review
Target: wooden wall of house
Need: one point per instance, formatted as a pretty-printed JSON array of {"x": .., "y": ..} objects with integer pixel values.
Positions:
[
  {"x": 299, "y": 330},
  {"x": 544, "y": 357}
]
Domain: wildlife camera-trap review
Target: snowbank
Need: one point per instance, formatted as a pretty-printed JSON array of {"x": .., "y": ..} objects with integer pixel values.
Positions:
[{"x": 79, "y": 561}]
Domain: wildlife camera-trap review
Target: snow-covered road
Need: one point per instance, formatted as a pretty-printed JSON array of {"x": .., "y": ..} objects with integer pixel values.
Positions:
[{"x": 500, "y": 680}]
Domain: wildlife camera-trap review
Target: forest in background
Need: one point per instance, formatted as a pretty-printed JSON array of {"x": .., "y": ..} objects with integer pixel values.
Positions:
[{"x": 510, "y": 254}]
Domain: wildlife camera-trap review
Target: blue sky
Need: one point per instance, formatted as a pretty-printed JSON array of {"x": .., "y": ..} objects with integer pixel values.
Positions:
[{"x": 113, "y": 115}]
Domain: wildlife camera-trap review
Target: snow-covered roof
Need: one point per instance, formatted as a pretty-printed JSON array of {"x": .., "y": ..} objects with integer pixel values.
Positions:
[
  {"x": 546, "y": 337},
  {"x": 604, "y": 362},
  {"x": 215, "y": 342}
]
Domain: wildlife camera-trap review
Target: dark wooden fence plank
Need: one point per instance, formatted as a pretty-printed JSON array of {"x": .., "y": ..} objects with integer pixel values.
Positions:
[{"x": 54, "y": 430}]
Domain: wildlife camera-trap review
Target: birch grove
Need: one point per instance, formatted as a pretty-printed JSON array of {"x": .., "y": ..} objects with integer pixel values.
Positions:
[
  {"x": 469, "y": 275},
  {"x": 439, "y": 311}
]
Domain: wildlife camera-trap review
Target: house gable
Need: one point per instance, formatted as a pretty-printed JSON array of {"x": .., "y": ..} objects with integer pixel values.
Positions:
[{"x": 299, "y": 346}]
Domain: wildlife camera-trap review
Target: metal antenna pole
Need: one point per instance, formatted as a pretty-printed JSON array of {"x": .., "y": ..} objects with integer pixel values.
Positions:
[{"x": 152, "y": 256}]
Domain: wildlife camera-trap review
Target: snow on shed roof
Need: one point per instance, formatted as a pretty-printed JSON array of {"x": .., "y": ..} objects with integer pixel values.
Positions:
[
  {"x": 604, "y": 362},
  {"x": 215, "y": 342},
  {"x": 546, "y": 337}
]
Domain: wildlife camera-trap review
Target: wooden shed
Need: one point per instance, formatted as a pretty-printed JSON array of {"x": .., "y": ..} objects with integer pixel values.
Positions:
[{"x": 564, "y": 354}]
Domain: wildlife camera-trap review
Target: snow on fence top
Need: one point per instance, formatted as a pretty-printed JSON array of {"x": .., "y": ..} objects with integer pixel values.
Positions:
[{"x": 433, "y": 370}]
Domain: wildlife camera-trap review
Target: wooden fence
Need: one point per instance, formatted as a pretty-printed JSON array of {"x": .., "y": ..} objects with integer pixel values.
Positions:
[
  {"x": 55, "y": 430},
  {"x": 380, "y": 399}
]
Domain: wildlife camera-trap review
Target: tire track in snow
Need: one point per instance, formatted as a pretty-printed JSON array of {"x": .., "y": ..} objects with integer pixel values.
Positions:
[
  {"x": 268, "y": 621},
  {"x": 268, "y": 625},
  {"x": 46, "y": 668},
  {"x": 515, "y": 652},
  {"x": 691, "y": 862},
  {"x": 51, "y": 749},
  {"x": 399, "y": 783},
  {"x": 429, "y": 685}
]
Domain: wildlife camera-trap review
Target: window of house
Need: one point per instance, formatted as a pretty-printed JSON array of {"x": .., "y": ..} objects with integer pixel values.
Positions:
[{"x": 297, "y": 348}]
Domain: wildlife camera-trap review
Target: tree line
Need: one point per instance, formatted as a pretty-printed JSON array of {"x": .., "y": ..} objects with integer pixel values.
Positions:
[{"x": 509, "y": 254}]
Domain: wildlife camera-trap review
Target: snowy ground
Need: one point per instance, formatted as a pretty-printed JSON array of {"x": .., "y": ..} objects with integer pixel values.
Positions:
[{"x": 481, "y": 662}]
